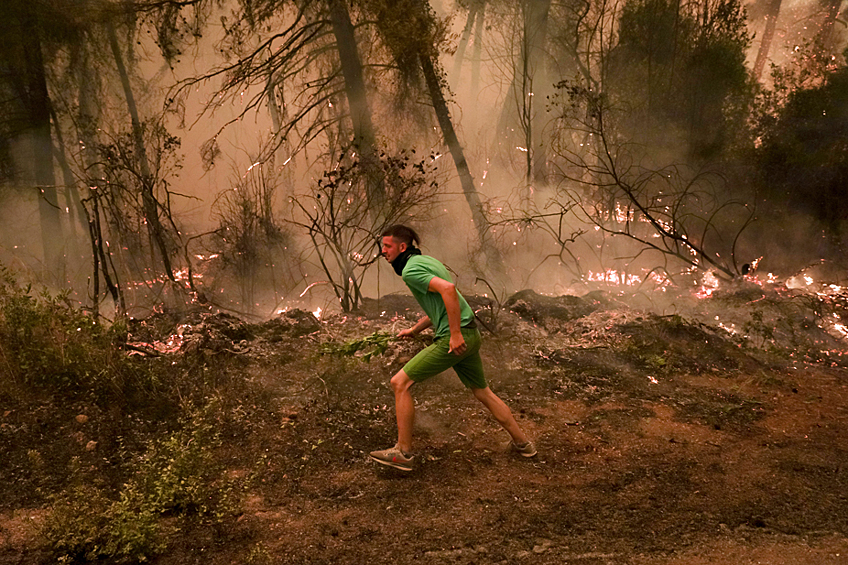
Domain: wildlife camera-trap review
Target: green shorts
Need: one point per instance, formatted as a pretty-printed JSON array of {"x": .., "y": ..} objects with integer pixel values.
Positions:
[{"x": 434, "y": 359}]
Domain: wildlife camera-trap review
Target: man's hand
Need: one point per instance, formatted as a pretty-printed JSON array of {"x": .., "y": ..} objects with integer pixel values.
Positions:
[
  {"x": 408, "y": 332},
  {"x": 457, "y": 344}
]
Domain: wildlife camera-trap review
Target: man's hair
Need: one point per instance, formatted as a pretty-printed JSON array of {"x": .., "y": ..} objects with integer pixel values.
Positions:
[{"x": 404, "y": 234}]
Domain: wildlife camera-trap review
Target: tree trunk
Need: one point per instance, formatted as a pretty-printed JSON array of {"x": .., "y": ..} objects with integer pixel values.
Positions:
[
  {"x": 434, "y": 85},
  {"x": 459, "y": 57},
  {"x": 478, "y": 50},
  {"x": 38, "y": 110},
  {"x": 772, "y": 12},
  {"x": 276, "y": 116},
  {"x": 72, "y": 198},
  {"x": 524, "y": 105},
  {"x": 89, "y": 81},
  {"x": 364, "y": 137},
  {"x": 277, "y": 110},
  {"x": 536, "y": 29},
  {"x": 150, "y": 206}
]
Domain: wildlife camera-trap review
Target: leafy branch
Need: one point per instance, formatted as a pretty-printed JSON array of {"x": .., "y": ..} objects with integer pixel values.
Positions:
[{"x": 374, "y": 344}]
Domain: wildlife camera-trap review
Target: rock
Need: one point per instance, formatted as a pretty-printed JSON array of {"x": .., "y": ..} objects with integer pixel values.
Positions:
[
  {"x": 81, "y": 419},
  {"x": 91, "y": 446}
]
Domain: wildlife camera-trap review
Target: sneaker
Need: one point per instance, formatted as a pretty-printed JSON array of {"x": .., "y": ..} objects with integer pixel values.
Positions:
[
  {"x": 393, "y": 457},
  {"x": 526, "y": 450}
]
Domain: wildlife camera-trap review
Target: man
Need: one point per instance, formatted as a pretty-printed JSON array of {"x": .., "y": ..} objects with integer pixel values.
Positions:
[{"x": 456, "y": 345}]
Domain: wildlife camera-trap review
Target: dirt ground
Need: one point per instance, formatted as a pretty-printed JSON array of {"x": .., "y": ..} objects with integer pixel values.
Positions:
[{"x": 661, "y": 442}]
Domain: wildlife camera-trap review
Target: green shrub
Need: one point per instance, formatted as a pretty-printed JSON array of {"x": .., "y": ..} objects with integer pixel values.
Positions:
[
  {"x": 48, "y": 343},
  {"x": 180, "y": 474},
  {"x": 177, "y": 476}
]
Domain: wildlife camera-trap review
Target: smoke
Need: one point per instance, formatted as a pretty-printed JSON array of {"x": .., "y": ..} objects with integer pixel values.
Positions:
[{"x": 556, "y": 254}]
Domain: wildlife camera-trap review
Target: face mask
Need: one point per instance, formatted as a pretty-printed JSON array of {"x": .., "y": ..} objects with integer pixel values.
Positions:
[{"x": 400, "y": 261}]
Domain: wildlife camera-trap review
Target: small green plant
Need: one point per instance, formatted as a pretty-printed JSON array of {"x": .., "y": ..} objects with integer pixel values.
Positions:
[
  {"x": 656, "y": 362},
  {"x": 44, "y": 339},
  {"x": 758, "y": 327},
  {"x": 48, "y": 345},
  {"x": 259, "y": 555},
  {"x": 86, "y": 525}
]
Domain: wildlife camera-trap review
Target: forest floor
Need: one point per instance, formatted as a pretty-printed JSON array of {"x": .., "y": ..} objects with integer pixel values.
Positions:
[{"x": 663, "y": 440}]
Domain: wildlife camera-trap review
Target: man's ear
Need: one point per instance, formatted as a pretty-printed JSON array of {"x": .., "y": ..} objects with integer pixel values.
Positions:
[{"x": 402, "y": 246}]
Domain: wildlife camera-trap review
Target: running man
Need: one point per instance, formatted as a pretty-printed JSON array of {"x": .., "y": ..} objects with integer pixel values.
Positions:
[{"x": 456, "y": 345}]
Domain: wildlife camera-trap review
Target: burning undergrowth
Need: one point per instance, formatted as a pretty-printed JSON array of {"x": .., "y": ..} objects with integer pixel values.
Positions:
[
  {"x": 165, "y": 333},
  {"x": 720, "y": 332},
  {"x": 797, "y": 323}
]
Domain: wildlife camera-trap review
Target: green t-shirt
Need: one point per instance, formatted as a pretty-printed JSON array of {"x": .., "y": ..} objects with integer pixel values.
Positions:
[{"x": 417, "y": 273}]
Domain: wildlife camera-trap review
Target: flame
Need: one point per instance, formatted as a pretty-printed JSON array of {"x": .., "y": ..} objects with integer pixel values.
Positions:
[
  {"x": 616, "y": 277},
  {"x": 623, "y": 215},
  {"x": 708, "y": 285},
  {"x": 621, "y": 278}
]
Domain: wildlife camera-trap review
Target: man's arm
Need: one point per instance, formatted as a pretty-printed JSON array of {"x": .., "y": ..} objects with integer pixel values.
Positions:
[
  {"x": 419, "y": 327},
  {"x": 451, "y": 298}
]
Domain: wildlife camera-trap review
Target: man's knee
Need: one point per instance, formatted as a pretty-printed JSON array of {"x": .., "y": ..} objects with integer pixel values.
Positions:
[
  {"x": 401, "y": 382},
  {"x": 482, "y": 394}
]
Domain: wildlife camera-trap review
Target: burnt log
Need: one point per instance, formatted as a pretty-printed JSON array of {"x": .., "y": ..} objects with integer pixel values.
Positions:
[{"x": 293, "y": 323}]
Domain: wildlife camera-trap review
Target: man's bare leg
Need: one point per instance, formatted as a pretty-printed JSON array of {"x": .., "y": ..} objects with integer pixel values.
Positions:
[
  {"x": 501, "y": 412},
  {"x": 404, "y": 409}
]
